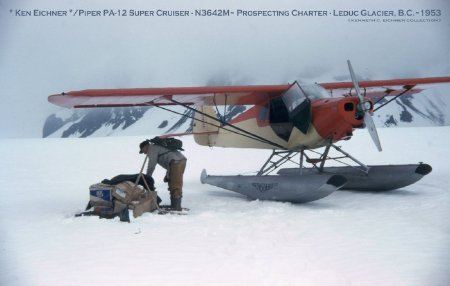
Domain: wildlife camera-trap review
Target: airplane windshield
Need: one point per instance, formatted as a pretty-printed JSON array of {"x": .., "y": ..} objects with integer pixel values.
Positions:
[
  {"x": 314, "y": 91},
  {"x": 293, "y": 97},
  {"x": 298, "y": 93}
]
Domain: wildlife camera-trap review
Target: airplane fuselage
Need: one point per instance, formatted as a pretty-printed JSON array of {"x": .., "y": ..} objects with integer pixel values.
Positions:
[{"x": 331, "y": 120}]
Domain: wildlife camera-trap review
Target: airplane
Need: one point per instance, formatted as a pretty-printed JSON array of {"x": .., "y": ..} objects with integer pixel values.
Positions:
[{"x": 289, "y": 119}]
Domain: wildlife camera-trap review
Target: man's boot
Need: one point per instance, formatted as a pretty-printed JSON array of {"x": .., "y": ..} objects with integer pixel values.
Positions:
[{"x": 175, "y": 204}]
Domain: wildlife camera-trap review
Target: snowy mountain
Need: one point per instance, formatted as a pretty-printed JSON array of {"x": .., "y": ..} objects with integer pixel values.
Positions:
[
  {"x": 428, "y": 108},
  {"x": 115, "y": 121}
]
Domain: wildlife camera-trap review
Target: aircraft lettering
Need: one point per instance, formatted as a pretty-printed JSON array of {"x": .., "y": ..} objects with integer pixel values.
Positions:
[{"x": 263, "y": 187}]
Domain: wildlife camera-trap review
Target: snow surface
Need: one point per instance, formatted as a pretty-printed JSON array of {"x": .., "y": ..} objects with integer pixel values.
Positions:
[{"x": 348, "y": 238}]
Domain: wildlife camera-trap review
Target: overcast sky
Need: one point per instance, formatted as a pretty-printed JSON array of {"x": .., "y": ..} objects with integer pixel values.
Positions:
[{"x": 40, "y": 56}]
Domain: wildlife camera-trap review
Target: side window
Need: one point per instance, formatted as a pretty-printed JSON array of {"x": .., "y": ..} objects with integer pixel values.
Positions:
[{"x": 278, "y": 111}]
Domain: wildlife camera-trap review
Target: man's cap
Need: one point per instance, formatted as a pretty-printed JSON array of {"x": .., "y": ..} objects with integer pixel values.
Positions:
[{"x": 142, "y": 145}]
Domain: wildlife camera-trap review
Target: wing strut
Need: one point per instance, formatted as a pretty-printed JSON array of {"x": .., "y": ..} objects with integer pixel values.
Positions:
[{"x": 392, "y": 99}]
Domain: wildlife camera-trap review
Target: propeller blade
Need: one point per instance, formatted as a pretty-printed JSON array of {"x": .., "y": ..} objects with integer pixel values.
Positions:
[
  {"x": 370, "y": 125},
  {"x": 355, "y": 82}
]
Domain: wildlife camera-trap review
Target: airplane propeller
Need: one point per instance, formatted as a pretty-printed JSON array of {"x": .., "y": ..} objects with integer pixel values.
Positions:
[{"x": 364, "y": 107}]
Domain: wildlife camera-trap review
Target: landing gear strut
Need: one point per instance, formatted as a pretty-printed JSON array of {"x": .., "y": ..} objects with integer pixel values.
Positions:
[{"x": 278, "y": 158}]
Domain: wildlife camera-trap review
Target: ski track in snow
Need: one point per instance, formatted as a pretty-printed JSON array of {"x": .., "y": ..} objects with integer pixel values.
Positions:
[{"x": 349, "y": 238}]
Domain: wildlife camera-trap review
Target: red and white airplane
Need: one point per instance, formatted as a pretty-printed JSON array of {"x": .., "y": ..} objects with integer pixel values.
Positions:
[{"x": 289, "y": 119}]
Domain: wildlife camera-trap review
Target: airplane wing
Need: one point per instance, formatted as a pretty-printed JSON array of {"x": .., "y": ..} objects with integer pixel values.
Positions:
[
  {"x": 214, "y": 95},
  {"x": 228, "y": 95},
  {"x": 377, "y": 89}
]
